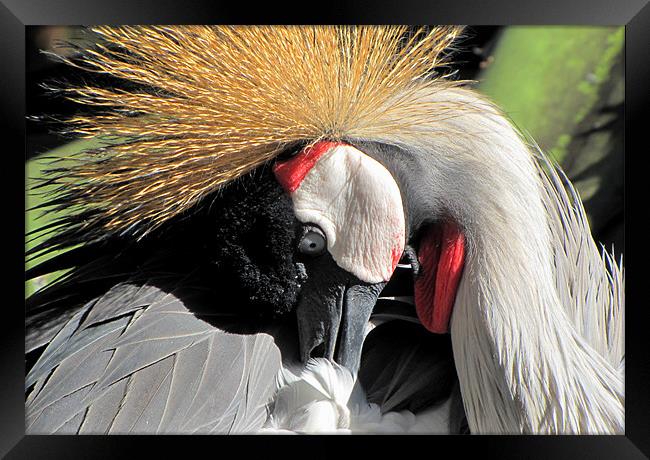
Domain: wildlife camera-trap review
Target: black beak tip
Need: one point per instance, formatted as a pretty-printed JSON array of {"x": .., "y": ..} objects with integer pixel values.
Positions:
[{"x": 333, "y": 327}]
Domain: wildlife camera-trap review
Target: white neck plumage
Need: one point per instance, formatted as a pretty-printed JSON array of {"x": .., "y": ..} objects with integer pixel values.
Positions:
[{"x": 523, "y": 362}]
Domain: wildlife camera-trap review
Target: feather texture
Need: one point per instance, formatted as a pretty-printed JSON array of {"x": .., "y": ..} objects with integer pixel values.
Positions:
[
  {"x": 590, "y": 282},
  {"x": 213, "y": 102},
  {"x": 150, "y": 367},
  {"x": 324, "y": 398}
]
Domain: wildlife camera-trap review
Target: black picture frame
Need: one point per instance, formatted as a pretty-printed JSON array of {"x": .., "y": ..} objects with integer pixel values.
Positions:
[{"x": 16, "y": 14}]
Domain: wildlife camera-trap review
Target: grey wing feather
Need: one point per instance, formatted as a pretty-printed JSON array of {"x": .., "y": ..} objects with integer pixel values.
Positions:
[
  {"x": 97, "y": 419},
  {"x": 255, "y": 410},
  {"x": 120, "y": 300},
  {"x": 55, "y": 418},
  {"x": 190, "y": 362},
  {"x": 42, "y": 327},
  {"x": 72, "y": 425},
  {"x": 589, "y": 280},
  {"x": 146, "y": 364},
  {"x": 77, "y": 343},
  {"x": 56, "y": 347},
  {"x": 78, "y": 370},
  {"x": 143, "y": 404}
]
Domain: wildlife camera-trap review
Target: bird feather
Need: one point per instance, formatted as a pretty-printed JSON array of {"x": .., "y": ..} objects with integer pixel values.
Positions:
[{"x": 157, "y": 369}]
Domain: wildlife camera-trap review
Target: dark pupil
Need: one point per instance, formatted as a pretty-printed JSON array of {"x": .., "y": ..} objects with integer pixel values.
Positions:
[{"x": 313, "y": 243}]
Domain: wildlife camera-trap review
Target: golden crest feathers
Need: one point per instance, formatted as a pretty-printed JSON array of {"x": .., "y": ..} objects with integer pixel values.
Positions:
[{"x": 214, "y": 102}]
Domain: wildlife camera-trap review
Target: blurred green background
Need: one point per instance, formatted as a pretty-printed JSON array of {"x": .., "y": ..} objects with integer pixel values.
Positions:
[{"x": 564, "y": 86}]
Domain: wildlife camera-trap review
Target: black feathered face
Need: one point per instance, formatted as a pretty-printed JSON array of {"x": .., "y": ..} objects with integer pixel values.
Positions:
[
  {"x": 246, "y": 236},
  {"x": 252, "y": 239}
]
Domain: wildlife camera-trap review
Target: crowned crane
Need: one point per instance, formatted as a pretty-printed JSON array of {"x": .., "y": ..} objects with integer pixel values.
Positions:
[{"x": 304, "y": 227}]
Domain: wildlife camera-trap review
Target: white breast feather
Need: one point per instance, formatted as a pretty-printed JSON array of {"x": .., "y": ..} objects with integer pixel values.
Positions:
[{"x": 325, "y": 398}]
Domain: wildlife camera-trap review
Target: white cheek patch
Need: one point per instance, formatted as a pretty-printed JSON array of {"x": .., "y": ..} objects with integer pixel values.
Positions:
[{"x": 357, "y": 204}]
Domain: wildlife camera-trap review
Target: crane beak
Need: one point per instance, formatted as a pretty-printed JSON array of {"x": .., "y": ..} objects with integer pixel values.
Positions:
[
  {"x": 333, "y": 316},
  {"x": 358, "y": 303}
]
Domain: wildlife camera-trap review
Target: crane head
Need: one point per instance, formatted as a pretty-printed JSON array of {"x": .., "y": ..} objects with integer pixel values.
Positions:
[{"x": 353, "y": 232}]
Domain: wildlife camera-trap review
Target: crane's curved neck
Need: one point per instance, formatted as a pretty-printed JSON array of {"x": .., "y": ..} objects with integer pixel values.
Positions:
[{"x": 522, "y": 365}]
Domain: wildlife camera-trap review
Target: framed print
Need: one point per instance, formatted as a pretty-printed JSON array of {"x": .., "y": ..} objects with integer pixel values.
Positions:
[{"x": 327, "y": 229}]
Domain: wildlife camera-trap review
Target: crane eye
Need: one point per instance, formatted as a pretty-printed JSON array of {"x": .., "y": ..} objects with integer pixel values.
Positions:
[{"x": 313, "y": 242}]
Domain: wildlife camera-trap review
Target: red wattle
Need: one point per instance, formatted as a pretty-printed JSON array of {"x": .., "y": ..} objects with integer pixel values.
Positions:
[
  {"x": 396, "y": 253},
  {"x": 442, "y": 257},
  {"x": 291, "y": 172}
]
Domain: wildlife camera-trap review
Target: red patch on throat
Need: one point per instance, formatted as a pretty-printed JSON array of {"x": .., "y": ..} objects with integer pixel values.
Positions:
[
  {"x": 291, "y": 172},
  {"x": 396, "y": 252},
  {"x": 442, "y": 257}
]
